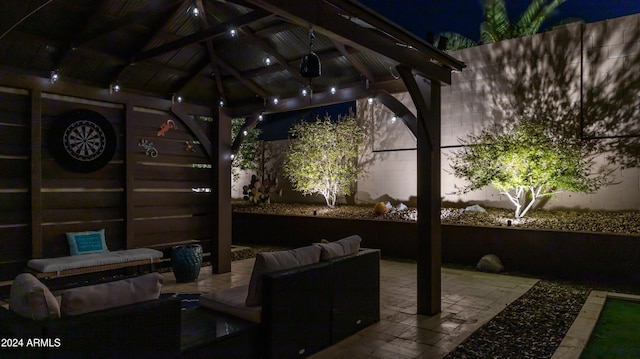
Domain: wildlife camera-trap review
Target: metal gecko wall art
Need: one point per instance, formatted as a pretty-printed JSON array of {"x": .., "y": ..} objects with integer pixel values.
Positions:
[
  {"x": 148, "y": 147},
  {"x": 169, "y": 124}
]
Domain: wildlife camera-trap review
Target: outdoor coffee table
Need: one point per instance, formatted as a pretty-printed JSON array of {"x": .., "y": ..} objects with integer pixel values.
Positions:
[{"x": 214, "y": 334}]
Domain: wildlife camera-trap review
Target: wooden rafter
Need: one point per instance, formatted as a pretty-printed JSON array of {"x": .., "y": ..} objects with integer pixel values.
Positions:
[
  {"x": 274, "y": 29},
  {"x": 328, "y": 21},
  {"x": 211, "y": 52},
  {"x": 80, "y": 25},
  {"x": 274, "y": 53},
  {"x": 378, "y": 22},
  {"x": 354, "y": 61},
  {"x": 130, "y": 20},
  {"x": 167, "y": 19},
  {"x": 248, "y": 83},
  {"x": 324, "y": 56},
  {"x": 194, "y": 74},
  {"x": 218, "y": 30}
]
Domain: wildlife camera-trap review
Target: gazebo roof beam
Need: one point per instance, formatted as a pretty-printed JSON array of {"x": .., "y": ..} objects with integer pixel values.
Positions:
[
  {"x": 218, "y": 30},
  {"x": 327, "y": 20}
]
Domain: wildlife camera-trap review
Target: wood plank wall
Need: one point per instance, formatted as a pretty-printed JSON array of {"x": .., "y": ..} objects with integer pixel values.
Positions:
[
  {"x": 167, "y": 206},
  {"x": 150, "y": 202},
  {"x": 15, "y": 200}
]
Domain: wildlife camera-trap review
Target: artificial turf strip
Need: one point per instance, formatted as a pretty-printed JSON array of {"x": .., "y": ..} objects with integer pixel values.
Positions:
[{"x": 617, "y": 332}]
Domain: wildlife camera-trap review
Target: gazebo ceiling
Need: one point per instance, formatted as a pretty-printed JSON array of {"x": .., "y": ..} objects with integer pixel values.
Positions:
[{"x": 242, "y": 52}]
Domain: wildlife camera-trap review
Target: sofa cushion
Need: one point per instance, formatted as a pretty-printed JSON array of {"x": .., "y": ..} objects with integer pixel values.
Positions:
[
  {"x": 97, "y": 297},
  {"x": 86, "y": 242},
  {"x": 340, "y": 248},
  {"x": 29, "y": 298},
  {"x": 232, "y": 301},
  {"x": 267, "y": 262}
]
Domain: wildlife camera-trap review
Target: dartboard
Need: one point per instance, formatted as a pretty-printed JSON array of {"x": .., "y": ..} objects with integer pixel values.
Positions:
[{"x": 82, "y": 140}]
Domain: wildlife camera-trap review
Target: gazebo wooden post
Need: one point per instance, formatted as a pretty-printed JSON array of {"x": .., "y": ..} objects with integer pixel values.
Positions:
[
  {"x": 426, "y": 96},
  {"x": 221, "y": 192},
  {"x": 219, "y": 151}
]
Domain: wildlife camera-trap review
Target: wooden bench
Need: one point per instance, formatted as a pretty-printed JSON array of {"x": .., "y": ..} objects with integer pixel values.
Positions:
[{"x": 47, "y": 268}]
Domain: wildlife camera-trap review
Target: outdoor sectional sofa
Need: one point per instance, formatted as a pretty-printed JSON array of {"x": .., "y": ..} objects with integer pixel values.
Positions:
[
  {"x": 127, "y": 318},
  {"x": 120, "y": 319},
  {"x": 307, "y": 298},
  {"x": 303, "y": 308}
]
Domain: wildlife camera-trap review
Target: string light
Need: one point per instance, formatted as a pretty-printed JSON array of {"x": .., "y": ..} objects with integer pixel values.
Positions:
[
  {"x": 55, "y": 76},
  {"x": 114, "y": 87},
  {"x": 333, "y": 90}
]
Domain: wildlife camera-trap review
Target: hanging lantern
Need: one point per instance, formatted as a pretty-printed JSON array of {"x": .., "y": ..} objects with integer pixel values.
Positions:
[{"x": 310, "y": 66}]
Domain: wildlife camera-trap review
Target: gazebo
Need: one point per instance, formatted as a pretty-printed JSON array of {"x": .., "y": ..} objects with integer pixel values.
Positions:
[{"x": 186, "y": 59}]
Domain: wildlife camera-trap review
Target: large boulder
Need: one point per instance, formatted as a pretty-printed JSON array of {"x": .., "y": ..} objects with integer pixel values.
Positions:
[{"x": 490, "y": 263}]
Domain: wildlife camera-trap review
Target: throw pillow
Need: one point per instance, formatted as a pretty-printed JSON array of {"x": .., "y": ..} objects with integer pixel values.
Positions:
[
  {"x": 268, "y": 262},
  {"x": 86, "y": 242},
  {"x": 29, "y": 298},
  {"x": 103, "y": 296},
  {"x": 340, "y": 248}
]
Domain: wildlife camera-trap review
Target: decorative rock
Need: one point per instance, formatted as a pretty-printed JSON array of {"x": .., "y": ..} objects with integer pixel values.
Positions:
[
  {"x": 490, "y": 263},
  {"x": 380, "y": 208},
  {"x": 475, "y": 208},
  {"x": 402, "y": 207}
]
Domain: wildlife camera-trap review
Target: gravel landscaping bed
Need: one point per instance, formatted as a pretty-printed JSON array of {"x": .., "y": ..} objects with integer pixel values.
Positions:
[
  {"x": 533, "y": 326},
  {"x": 624, "y": 222}
]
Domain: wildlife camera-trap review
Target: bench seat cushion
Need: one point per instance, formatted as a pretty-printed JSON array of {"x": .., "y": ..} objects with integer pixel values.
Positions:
[
  {"x": 232, "y": 301},
  {"x": 48, "y": 265}
]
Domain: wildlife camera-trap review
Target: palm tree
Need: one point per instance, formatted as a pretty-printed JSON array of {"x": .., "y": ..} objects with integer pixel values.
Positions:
[{"x": 497, "y": 26}]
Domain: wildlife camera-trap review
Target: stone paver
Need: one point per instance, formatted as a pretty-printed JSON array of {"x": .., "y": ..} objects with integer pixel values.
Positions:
[{"x": 469, "y": 300}]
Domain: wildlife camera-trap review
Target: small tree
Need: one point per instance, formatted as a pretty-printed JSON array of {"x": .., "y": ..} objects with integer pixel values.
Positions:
[
  {"x": 526, "y": 165},
  {"x": 249, "y": 154},
  {"x": 322, "y": 157}
]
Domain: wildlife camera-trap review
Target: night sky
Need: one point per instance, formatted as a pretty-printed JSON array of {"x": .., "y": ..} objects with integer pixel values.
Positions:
[{"x": 465, "y": 16}]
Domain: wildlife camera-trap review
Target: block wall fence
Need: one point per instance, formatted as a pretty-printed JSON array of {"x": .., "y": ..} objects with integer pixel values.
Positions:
[{"x": 581, "y": 78}]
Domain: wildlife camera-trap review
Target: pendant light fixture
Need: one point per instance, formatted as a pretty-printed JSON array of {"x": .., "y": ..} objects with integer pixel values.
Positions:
[{"x": 310, "y": 66}]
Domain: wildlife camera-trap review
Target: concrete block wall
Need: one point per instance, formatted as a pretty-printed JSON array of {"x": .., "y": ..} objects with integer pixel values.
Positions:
[{"x": 540, "y": 75}]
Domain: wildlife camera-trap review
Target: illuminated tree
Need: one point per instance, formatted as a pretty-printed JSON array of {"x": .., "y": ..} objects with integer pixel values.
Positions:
[
  {"x": 322, "y": 157},
  {"x": 526, "y": 164}
]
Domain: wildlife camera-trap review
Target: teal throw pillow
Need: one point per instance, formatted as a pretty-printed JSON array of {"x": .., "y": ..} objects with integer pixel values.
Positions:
[{"x": 86, "y": 242}]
